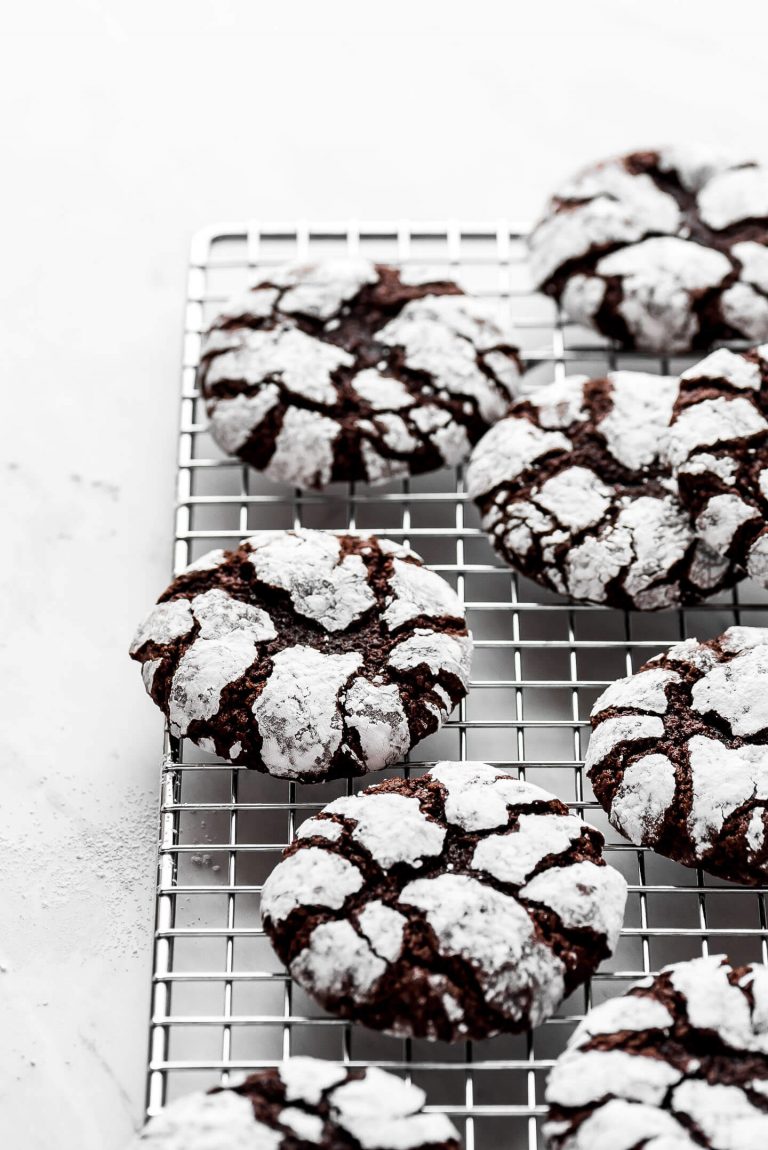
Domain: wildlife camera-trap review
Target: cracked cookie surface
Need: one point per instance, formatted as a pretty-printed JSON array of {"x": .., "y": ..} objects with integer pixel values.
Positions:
[
  {"x": 575, "y": 493},
  {"x": 305, "y": 654},
  {"x": 349, "y": 370},
  {"x": 718, "y": 447},
  {"x": 679, "y": 754},
  {"x": 661, "y": 250},
  {"x": 680, "y": 1062},
  {"x": 460, "y": 904},
  {"x": 302, "y": 1103}
]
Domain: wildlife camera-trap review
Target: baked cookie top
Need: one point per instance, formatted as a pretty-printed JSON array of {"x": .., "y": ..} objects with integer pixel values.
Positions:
[
  {"x": 350, "y": 370},
  {"x": 305, "y": 654},
  {"x": 680, "y": 1062},
  {"x": 718, "y": 448},
  {"x": 304, "y": 1102},
  {"x": 678, "y": 754},
  {"x": 456, "y": 905},
  {"x": 661, "y": 250},
  {"x": 576, "y": 494}
]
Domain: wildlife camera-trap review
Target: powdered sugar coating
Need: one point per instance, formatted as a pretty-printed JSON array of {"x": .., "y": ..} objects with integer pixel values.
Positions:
[
  {"x": 441, "y": 938},
  {"x": 312, "y": 875},
  {"x": 298, "y": 653},
  {"x": 610, "y": 1088},
  {"x": 635, "y": 247},
  {"x": 375, "y": 816},
  {"x": 690, "y": 779},
  {"x": 495, "y": 935},
  {"x": 589, "y": 508},
  {"x": 316, "y": 1102},
  {"x": 718, "y": 447},
  {"x": 208, "y": 1122},
  {"x": 325, "y": 372}
]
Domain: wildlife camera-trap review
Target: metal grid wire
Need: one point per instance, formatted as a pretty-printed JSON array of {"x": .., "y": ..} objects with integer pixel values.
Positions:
[{"x": 221, "y": 1002}]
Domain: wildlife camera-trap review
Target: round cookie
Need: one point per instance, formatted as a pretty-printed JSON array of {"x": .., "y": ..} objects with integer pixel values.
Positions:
[
  {"x": 661, "y": 250},
  {"x": 305, "y": 654},
  {"x": 679, "y": 758},
  {"x": 303, "y": 1103},
  {"x": 718, "y": 447},
  {"x": 680, "y": 1062},
  {"x": 576, "y": 495},
  {"x": 350, "y": 370},
  {"x": 461, "y": 904}
]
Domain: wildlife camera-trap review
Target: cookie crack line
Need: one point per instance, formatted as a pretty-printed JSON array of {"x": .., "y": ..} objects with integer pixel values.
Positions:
[{"x": 306, "y": 654}]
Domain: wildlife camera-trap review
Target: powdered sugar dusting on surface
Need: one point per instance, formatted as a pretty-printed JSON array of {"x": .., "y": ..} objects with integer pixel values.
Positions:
[
  {"x": 645, "y": 690},
  {"x": 506, "y": 451},
  {"x": 338, "y": 961},
  {"x": 313, "y": 876},
  {"x": 165, "y": 622},
  {"x": 643, "y": 797},
  {"x": 513, "y": 857},
  {"x": 723, "y": 779},
  {"x": 307, "y": 1079},
  {"x": 380, "y": 1112},
  {"x": 618, "y": 729},
  {"x": 333, "y": 591},
  {"x": 419, "y": 592},
  {"x": 298, "y": 711},
  {"x": 495, "y": 934},
  {"x": 479, "y": 795},
  {"x": 737, "y": 691},
  {"x": 641, "y": 408},
  {"x": 440, "y": 652},
  {"x": 375, "y": 712},
  {"x": 208, "y": 1122},
  {"x": 376, "y": 815},
  {"x": 589, "y": 1076},
  {"x": 583, "y": 895},
  {"x": 233, "y": 421}
]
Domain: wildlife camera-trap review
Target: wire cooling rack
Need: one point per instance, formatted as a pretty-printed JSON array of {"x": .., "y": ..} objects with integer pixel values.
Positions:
[{"x": 222, "y": 1004}]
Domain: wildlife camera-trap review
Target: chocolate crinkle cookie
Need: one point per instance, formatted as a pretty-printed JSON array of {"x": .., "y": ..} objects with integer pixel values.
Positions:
[
  {"x": 718, "y": 447},
  {"x": 304, "y": 1103},
  {"x": 661, "y": 250},
  {"x": 305, "y": 654},
  {"x": 457, "y": 905},
  {"x": 350, "y": 370},
  {"x": 680, "y": 1062},
  {"x": 679, "y": 754},
  {"x": 576, "y": 494}
]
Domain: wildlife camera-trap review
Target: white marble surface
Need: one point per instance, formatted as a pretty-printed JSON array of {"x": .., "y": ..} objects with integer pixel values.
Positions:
[{"x": 129, "y": 125}]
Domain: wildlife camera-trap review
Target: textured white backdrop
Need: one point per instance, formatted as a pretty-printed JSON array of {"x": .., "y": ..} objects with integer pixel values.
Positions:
[{"x": 125, "y": 126}]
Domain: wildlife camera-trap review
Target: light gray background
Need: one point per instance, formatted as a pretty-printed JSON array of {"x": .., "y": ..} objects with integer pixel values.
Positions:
[{"x": 125, "y": 127}]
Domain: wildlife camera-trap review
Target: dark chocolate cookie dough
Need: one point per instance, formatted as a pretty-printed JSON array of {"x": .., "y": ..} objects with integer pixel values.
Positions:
[
  {"x": 680, "y": 1062},
  {"x": 575, "y": 493},
  {"x": 662, "y": 250},
  {"x": 679, "y": 754},
  {"x": 456, "y": 905},
  {"x": 349, "y": 370},
  {"x": 718, "y": 448},
  {"x": 303, "y": 1103},
  {"x": 305, "y": 654}
]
